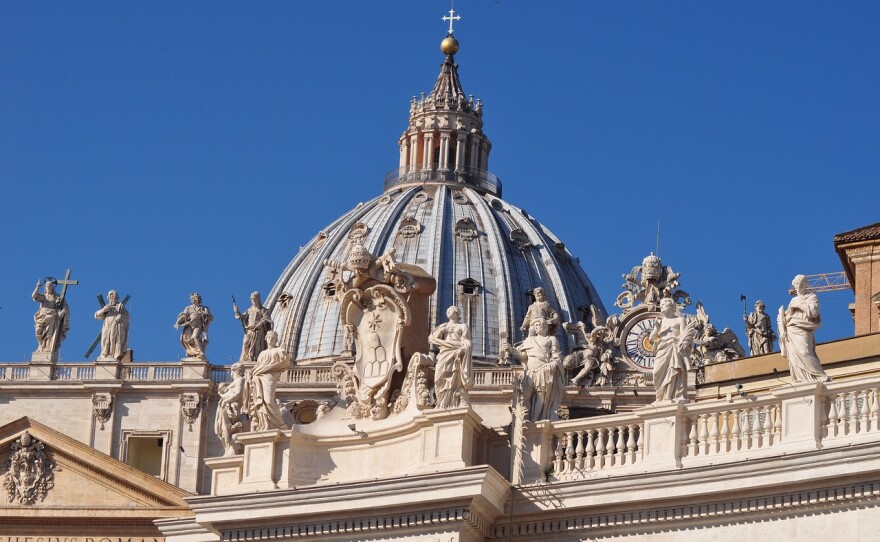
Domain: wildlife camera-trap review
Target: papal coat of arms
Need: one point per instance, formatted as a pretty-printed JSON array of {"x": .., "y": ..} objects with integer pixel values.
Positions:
[
  {"x": 375, "y": 297},
  {"x": 29, "y": 471}
]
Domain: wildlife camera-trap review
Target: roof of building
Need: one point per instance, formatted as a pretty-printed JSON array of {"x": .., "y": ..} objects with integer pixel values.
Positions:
[
  {"x": 442, "y": 211},
  {"x": 864, "y": 233}
]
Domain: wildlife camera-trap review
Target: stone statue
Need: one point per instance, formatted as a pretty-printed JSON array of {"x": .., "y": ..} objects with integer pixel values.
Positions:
[
  {"x": 453, "y": 371},
  {"x": 714, "y": 346},
  {"x": 541, "y": 309},
  {"x": 260, "y": 401},
  {"x": 114, "y": 332},
  {"x": 673, "y": 340},
  {"x": 256, "y": 323},
  {"x": 797, "y": 342},
  {"x": 544, "y": 376},
  {"x": 29, "y": 471},
  {"x": 591, "y": 359},
  {"x": 52, "y": 319},
  {"x": 759, "y": 330},
  {"x": 195, "y": 320},
  {"x": 229, "y": 409}
]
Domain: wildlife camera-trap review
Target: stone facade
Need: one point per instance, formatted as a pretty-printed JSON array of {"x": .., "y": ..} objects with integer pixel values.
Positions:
[{"x": 349, "y": 451}]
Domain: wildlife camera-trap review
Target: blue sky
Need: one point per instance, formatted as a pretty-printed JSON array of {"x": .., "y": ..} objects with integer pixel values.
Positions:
[{"x": 163, "y": 147}]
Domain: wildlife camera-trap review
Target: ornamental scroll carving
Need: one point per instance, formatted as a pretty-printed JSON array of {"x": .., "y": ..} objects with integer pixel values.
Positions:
[
  {"x": 102, "y": 406},
  {"x": 190, "y": 406},
  {"x": 29, "y": 472}
]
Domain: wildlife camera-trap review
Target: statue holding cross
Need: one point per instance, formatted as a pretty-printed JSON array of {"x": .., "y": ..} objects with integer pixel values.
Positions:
[{"x": 52, "y": 319}]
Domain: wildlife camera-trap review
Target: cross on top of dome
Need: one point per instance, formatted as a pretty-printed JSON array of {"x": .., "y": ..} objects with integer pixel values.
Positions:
[{"x": 451, "y": 18}]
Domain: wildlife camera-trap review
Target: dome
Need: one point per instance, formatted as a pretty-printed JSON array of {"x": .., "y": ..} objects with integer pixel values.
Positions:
[{"x": 442, "y": 211}]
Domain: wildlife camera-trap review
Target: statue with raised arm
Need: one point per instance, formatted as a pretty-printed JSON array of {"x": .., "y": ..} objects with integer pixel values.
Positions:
[
  {"x": 256, "y": 322},
  {"x": 544, "y": 376},
  {"x": 760, "y": 331},
  {"x": 540, "y": 309},
  {"x": 797, "y": 342},
  {"x": 194, "y": 320},
  {"x": 52, "y": 319},
  {"x": 453, "y": 371},
  {"x": 114, "y": 332},
  {"x": 260, "y": 401},
  {"x": 673, "y": 339},
  {"x": 229, "y": 409}
]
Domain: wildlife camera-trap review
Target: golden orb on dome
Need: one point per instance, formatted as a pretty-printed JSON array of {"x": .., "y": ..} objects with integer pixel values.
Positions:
[{"x": 449, "y": 45}]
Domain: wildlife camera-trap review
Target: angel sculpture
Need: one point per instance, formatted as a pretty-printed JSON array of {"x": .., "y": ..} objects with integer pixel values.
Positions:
[
  {"x": 595, "y": 358},
  {"x": 713, "y": 346}
]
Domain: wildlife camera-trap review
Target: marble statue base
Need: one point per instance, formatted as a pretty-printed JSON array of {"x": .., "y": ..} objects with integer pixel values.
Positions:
[
  {"x": 44, "y": 357},
  {"x": 194, "y": 358}
]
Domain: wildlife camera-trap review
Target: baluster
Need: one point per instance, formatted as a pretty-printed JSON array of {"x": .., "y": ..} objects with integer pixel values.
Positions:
[
  {"x": 747, "y": 428},
  {"x": 609, "y": 448},
  {"x": 590, "y": 450},
  {"x": 736, "y": 432},
  {"x": 768, "y": 426},
  {"x": 777, "y": 423},
  {"x": 758, "y": 428},
  {"x": 692, "y": 437},
  {"x": 569, "y": 452},
  {"x": 621, "y": 444},
  {"x": 600, "y": 448},
  {"x": 725, "y": 431},
  {"x": 852, "y": 408},
  {"x": 631, "y": 443},
  {"x": 557, "y": 463},
  {"x": 639, "y": 440},
  {"x": 579, "y": 451},
  {"x": 704, "y": 434},
  {"x": 713, "y": 432},
  {"x": 864, "y": 411},
  {"x": 832, "y": 417},
  {"x": 875, "y": 407}
]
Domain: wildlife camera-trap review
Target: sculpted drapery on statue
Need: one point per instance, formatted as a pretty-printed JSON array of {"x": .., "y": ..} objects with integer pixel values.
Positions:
[
  {"x": 256, "y": 322},
  {"x": 453, "y": 371},
  {"x": 260, "y": 400},
  {"x": 760, "y": 331},
  {"x": 52, "y": 319},
  {"x": 194, "y": 320},
  {"x": 227, "y": 421},
  {"x": 797, "y": 326},
  {"x": 544, "y": 376},
  {"x": 673, "y": 339},
  {"x": 114, "y": 332}
]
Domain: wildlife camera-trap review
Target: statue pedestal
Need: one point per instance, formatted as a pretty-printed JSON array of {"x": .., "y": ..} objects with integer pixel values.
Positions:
[
  {"x": 413, "y": 442},
  {"x": 663, "y": 433},
  {"x": 44, "y": 357},
  {"x": 259, "y": 468},
  {"x": 802, "y": 412},
  {"x": 42, "y": 365},
  {"x": 340, "y": 449}
]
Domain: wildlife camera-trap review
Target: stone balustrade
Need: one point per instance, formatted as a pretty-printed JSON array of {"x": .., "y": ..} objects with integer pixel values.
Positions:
[
  {"x": 789, "y": 419},
  {"x": 134, "y": 372},
  {"x": 584, "y": 447}
]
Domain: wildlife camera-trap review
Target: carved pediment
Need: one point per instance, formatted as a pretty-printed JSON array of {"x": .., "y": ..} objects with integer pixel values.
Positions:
[{"x": 44, "y": 468}]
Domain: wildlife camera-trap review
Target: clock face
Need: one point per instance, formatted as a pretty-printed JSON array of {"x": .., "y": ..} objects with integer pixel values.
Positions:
[{"x": 637, "y": 346}]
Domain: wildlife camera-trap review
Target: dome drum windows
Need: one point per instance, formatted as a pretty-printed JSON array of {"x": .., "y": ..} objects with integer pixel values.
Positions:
[{"x": 469, "y": 287}]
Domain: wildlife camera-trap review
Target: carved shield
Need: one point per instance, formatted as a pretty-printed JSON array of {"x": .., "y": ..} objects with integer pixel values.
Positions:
[{"x": 378, "y": 315}]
